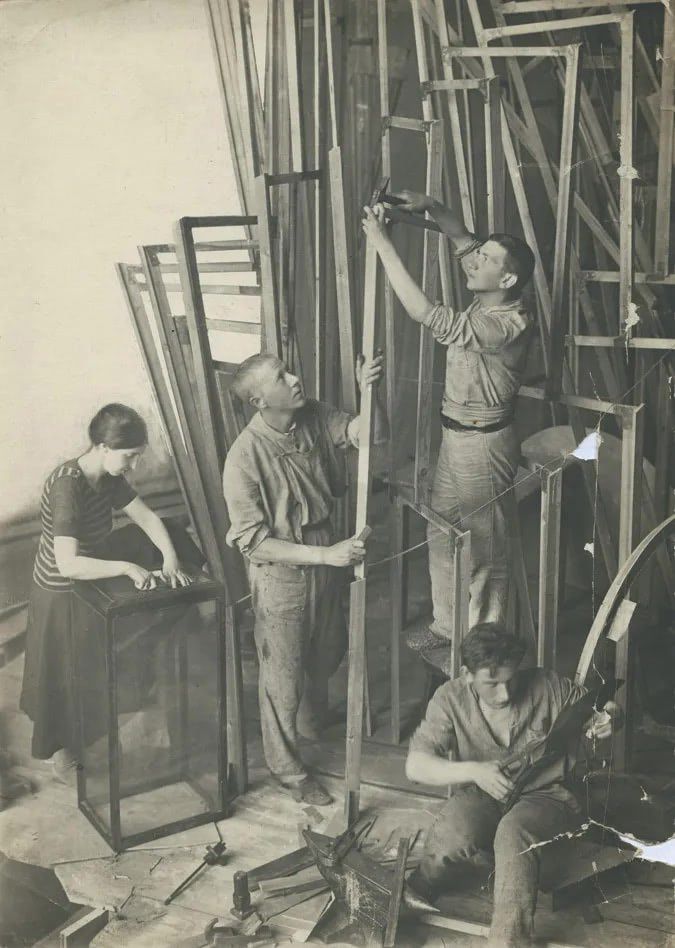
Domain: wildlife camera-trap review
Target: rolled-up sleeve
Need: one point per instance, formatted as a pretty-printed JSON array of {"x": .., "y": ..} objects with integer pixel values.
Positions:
[
  {"x": 342, "y": 427},
  {"x": 248, "y": 523},
  {"x": 476, "y": 329},
  {"x": 436, "y": 733}
]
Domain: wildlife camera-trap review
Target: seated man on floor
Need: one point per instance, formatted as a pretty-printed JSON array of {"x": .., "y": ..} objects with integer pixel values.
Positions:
[
  {"x": 281, "y": 477},
  {"x": 493, "y": 709}
]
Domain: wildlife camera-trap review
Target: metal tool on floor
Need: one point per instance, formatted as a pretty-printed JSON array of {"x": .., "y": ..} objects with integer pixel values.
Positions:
[
  {"x": 224, "y": 936},
  {"x": 241, "y": 897},
  {"x": 372, "y": 894},
  {"x": 214, "y": 856}
]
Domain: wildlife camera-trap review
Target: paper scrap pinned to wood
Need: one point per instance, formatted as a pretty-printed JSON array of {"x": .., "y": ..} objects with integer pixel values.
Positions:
[{"x": 588, "y": 449}]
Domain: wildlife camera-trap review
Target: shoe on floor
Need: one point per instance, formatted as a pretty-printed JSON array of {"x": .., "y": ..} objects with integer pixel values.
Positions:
[
  {"x": 424, "y": 638},
  {"x": 307, "y": 790},
  {"x": 64, "y": 766}
]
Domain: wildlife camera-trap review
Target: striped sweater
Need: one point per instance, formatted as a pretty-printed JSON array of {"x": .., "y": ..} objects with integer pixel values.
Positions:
[{"x": 71, "y": 507}]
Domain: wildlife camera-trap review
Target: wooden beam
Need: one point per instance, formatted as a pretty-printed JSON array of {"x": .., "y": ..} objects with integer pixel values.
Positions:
[
  {"x": 664, "y": 179},
  {"x": 562, "y": 248},
  {"x": 494, "y": 153},
  {"x": 461, "y": 584},
  {"x": 546, "y": 6},
  {"x": 463, "y": 179},
  {"x": 398, "y": 593},
  {"x": 425, "y": 374},
  {"x": 549, "y": 567},
  {"x": 629, "y": 536},
  {"x": 356, "y": 683},
  {"x": 622, "y": 342},
  {"x": 268, "y": 278}
]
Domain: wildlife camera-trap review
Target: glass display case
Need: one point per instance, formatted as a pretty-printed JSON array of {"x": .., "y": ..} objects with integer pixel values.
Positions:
[{"x": 150, "y": 688}]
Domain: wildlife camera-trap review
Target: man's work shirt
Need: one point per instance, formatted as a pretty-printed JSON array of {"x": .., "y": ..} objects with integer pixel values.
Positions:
[
  {"x": 487, "y": 350},
  {"x": 455, "y": 723},
  {"x": 275, "y": 483}
]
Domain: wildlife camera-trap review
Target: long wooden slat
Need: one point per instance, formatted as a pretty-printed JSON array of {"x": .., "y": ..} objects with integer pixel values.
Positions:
[
  {"x": 461, "y": 584},
  {"x": 356, "y": 684},
  {"x": 425, "y": 375},
  {"x": 268, "y": 277},
  {"x": 455, "y": 126},
  {"x": 388, "y": 293},
  {"x": 494, "y": 154},
  {"x": 562, "y": 249},
  {"x": 664, "y": 178},
  {"x": 549, "y": 567},
  {"x": 629, "y": 536}
]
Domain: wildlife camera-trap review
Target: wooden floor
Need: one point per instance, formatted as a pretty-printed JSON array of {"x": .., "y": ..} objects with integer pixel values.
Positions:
[{"x": 47, "y": 829}]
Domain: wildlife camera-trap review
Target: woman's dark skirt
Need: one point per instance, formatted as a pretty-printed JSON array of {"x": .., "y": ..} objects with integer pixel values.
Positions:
[{"x": 48, "y": 695}]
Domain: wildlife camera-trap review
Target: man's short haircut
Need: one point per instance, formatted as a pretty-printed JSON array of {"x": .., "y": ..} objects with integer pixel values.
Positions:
[
  {"x": 519, "y": 260},
  {"x": 244, "y": 380},
  {"x": 489, "y": 645}
]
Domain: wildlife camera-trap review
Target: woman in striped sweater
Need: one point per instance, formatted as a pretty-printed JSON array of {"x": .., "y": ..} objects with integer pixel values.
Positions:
[{"x": 78, "y": 542}]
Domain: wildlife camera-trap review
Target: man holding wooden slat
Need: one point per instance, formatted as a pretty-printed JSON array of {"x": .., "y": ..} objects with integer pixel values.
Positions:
[
  {"x": 479, "y": 454},
  {"x": 280, "y": 480}
]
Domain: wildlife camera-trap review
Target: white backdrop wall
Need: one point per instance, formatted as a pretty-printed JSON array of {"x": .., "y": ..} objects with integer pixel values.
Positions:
[{"x": 112, "y": 129}]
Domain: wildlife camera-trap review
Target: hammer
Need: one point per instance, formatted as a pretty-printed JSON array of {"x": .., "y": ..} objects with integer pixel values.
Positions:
[{"x": 380, "y": 196}]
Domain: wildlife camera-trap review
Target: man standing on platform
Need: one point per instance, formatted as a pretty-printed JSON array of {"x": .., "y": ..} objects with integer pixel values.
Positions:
[
  {"x": 478, "y": 459},
  {"x": 496, "y": 716},
  {"x": 280, "y": 480}
]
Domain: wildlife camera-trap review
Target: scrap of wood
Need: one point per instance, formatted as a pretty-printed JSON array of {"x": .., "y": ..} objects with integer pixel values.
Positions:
[
  {"x": 299, "y": 922},
  {"x": 621, "y": 620},
  {"x": 275, "y": 886}
]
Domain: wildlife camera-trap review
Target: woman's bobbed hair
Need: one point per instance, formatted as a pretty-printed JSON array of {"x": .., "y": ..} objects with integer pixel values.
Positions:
[{"x": 118, "y": 427}]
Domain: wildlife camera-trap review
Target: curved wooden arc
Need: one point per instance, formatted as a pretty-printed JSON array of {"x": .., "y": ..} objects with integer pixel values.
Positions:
[{"x": 617, "y": 591}]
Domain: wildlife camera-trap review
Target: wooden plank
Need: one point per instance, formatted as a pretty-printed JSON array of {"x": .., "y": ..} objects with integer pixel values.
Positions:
[
  {"x": 494, "y": 153},
  {"x": 319, "y": 211},
  {"x": 620, "y": 342},
  {"x": 80, "y": 931},
  {"x": 549, "y": 567},
  {"x": 425, "y": 374},
  {"x": 389, "y": 325},
  {"x": 270, "y": 317},
  {"x": 461, "y": 584},
  {"x": 545, "y": 6},
  {"x": 626, "y": 171},
  {"x": 562, "y": 248},
  {"x": 612, "y": 276},
  {"x": 293, "y": 77},
  {"x": 629, "y": 535},
  {"x": 463, "y": 181},
  {"x": 548, "y": 26},
  {"x": 398, "y": 597},
  {"x": 342, "y": 281},
  {"x": 664, "y": 179},
  {"x": 356, "y": 684},
  {"x": 501, "y": 52},
  {"x": 398, "y": 882},
  {"x": 355, "y": 697}
]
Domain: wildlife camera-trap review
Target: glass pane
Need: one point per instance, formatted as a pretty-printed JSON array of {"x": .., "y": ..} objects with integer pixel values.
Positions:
[
  {"x": 88, "y": 630},
  {"x": 167, "y": 693}
]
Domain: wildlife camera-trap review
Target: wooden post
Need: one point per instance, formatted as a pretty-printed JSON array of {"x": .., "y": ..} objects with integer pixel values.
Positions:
[
  {"x": 389, "y": 325},
  {"x": 425, "y": 375},
  {"x": 458, "y": 136},
  {"x": 494, "y": 155},
  {"x": 461, "y": 584},
  {"x": 626, "y": 171},
  {"x": 664, "y": 183},
  {"x": 356, "y": 683},
  {"x": 561, "y": 254},
  {"x": 549, "y": 571},
  {"x": 268, "y": 278},
  {"x": 632, "y": 420},
  {"x": 398, "y": 591}
]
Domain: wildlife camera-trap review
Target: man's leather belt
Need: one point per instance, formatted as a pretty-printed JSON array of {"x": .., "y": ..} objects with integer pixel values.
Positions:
[{"x": 486, "y": 429}]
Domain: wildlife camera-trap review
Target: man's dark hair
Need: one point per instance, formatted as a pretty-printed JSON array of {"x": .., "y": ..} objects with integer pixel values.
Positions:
[
  {"x": 519, "y": 260},
  {"x": 489, "y": 645}
]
